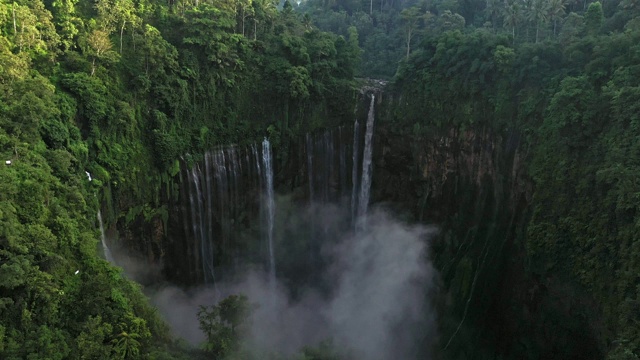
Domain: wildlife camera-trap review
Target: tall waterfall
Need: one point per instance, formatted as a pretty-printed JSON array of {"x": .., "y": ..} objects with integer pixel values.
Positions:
[
  {"x": 365, "y": 183},
  {"x": 103, "y": 238},
  {"x": 326, "y": 162},
  {"x": 328, "y": 155},
  {"x": 270, "y": 205},
  {"x": 224, "y": 196},
  {"x": 213, "y": 207},
  {"x": 228, "y": 200},
  {"x": 354, "y": 171},
  {"x": 198, "y": 223},
  {"x": 310, "y": 153}
]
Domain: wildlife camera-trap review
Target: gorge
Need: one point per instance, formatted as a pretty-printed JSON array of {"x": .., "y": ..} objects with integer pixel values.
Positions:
[
  {"x": 330, "y": 263},
  {"x": 220, "y": 179}
]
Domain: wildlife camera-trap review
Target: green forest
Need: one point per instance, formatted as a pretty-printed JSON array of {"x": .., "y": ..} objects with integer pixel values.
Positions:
[{"x": 127, "y": 89}]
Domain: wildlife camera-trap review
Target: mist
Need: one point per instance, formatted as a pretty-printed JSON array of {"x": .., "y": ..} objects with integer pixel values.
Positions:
[{"x": 376, "y": 305}]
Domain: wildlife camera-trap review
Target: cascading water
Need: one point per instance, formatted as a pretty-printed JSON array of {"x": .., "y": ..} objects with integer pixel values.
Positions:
[
  {"x": 232, "y": 188},
  {"x": 310, "y": 153},
  {"x": 342, "y": 155},
  {"x": 103, "y": 236},
  {"x": 270, "y": 206},
  {"x": 365, "y": 183},
  {"x": 200, "y": 223},
  {"x": 103, "y": 239},
  {"x": 220, "y": 194},
  {"x": 213, "y": 207},
  {"x": 327, "y": 165},
  {"x": 354, "y": 171},
  {"x": 327, "y": 159}
]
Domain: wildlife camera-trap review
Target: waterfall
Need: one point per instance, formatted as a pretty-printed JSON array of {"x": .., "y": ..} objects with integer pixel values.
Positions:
[
  {"x": 270, "y": 206},
  {"x": 103, "y": 239},
  {"x": 327, "y": 154},
  {"x": 200, "y": 224},
  {"x": 329, "y": 161},
  {"x": 212, "y": 206},
  {"x": 365, "y": 183},
  {"x": 231, "y": 189},
  {"x": 342, "y": 155},
  {"x": 354, "y": 171},
  {"x": 309, "y": 149}
]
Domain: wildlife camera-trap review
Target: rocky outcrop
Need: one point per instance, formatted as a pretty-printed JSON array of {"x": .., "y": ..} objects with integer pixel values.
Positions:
[{"x": 368, "y": 85}]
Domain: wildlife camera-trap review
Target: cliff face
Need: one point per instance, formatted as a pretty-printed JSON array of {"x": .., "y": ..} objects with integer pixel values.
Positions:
[
  {"x": 435, "y": 167},
  {"x": 473, "y": 184}
]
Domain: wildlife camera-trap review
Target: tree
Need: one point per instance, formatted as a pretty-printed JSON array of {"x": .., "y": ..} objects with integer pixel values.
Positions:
[
  {"x": 410, "y": 17},
  {"x": 512, "y": 16},
  {"x": 538, "y": 14},
  {"x": 555, "y": 12},
  {"x": 99, "y": 45},
  {"x": 324, "y": 351},
  {"x": 572, "y": 27},
  {"x": 222, "y": 324},
  {"x": 68, "y": 21},
  {"x": 573, "y": 112},
  {"x": 117, "y": 14},
  {"x": 265, "y": 11},
  {"x": 593, "y": 18},
  {"x": 131, "y": 336},
  {"x": 630, "y": 6},
  {"x": 246, "y": 10},
  {"x": 492, "y": 11},
  {"x": 14, "y": 66},
  {"x": 126, "y": 345},
  {"x": 24, "y": 27},
  {"x": 287, "y": 8},
  {"x": 450, "y": 21},
  {"x": 91, "y": 343}
]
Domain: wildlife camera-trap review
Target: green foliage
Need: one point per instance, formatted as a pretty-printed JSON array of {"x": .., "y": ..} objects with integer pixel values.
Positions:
[
  {"x": 388, "y": 29},
  {"x": 594, "y": 17},
  {"x": 324, "y": 351},
  {"x": 92, "y": 95},
  {"x": 92, "y": 341},
  {"x": 574, "y": 100},
  {"x": 222, "y": 324}
]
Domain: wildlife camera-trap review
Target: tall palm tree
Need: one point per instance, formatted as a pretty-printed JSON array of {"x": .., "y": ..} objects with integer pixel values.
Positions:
[
  {"x": 264, "y": 12},
  {"x": 511, "y": 16},
  {"x": 555, "y": 12},
  {"x": 126, "y": 345},
  {"x": 538, "y": 14},
  {"x": 492, "y": 10}
]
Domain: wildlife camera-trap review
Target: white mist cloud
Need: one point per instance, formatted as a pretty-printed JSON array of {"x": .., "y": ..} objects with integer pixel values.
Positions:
[
  {"x": 382, "y": 276},
  {"x": 378, "y": 299}
]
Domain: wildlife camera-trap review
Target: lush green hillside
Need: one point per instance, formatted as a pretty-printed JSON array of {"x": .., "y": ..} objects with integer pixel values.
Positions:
[
  {"x": 572, "y": 94},
  {"x": 122, "y": 89},
  {"x": 390, "y": 30}
]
